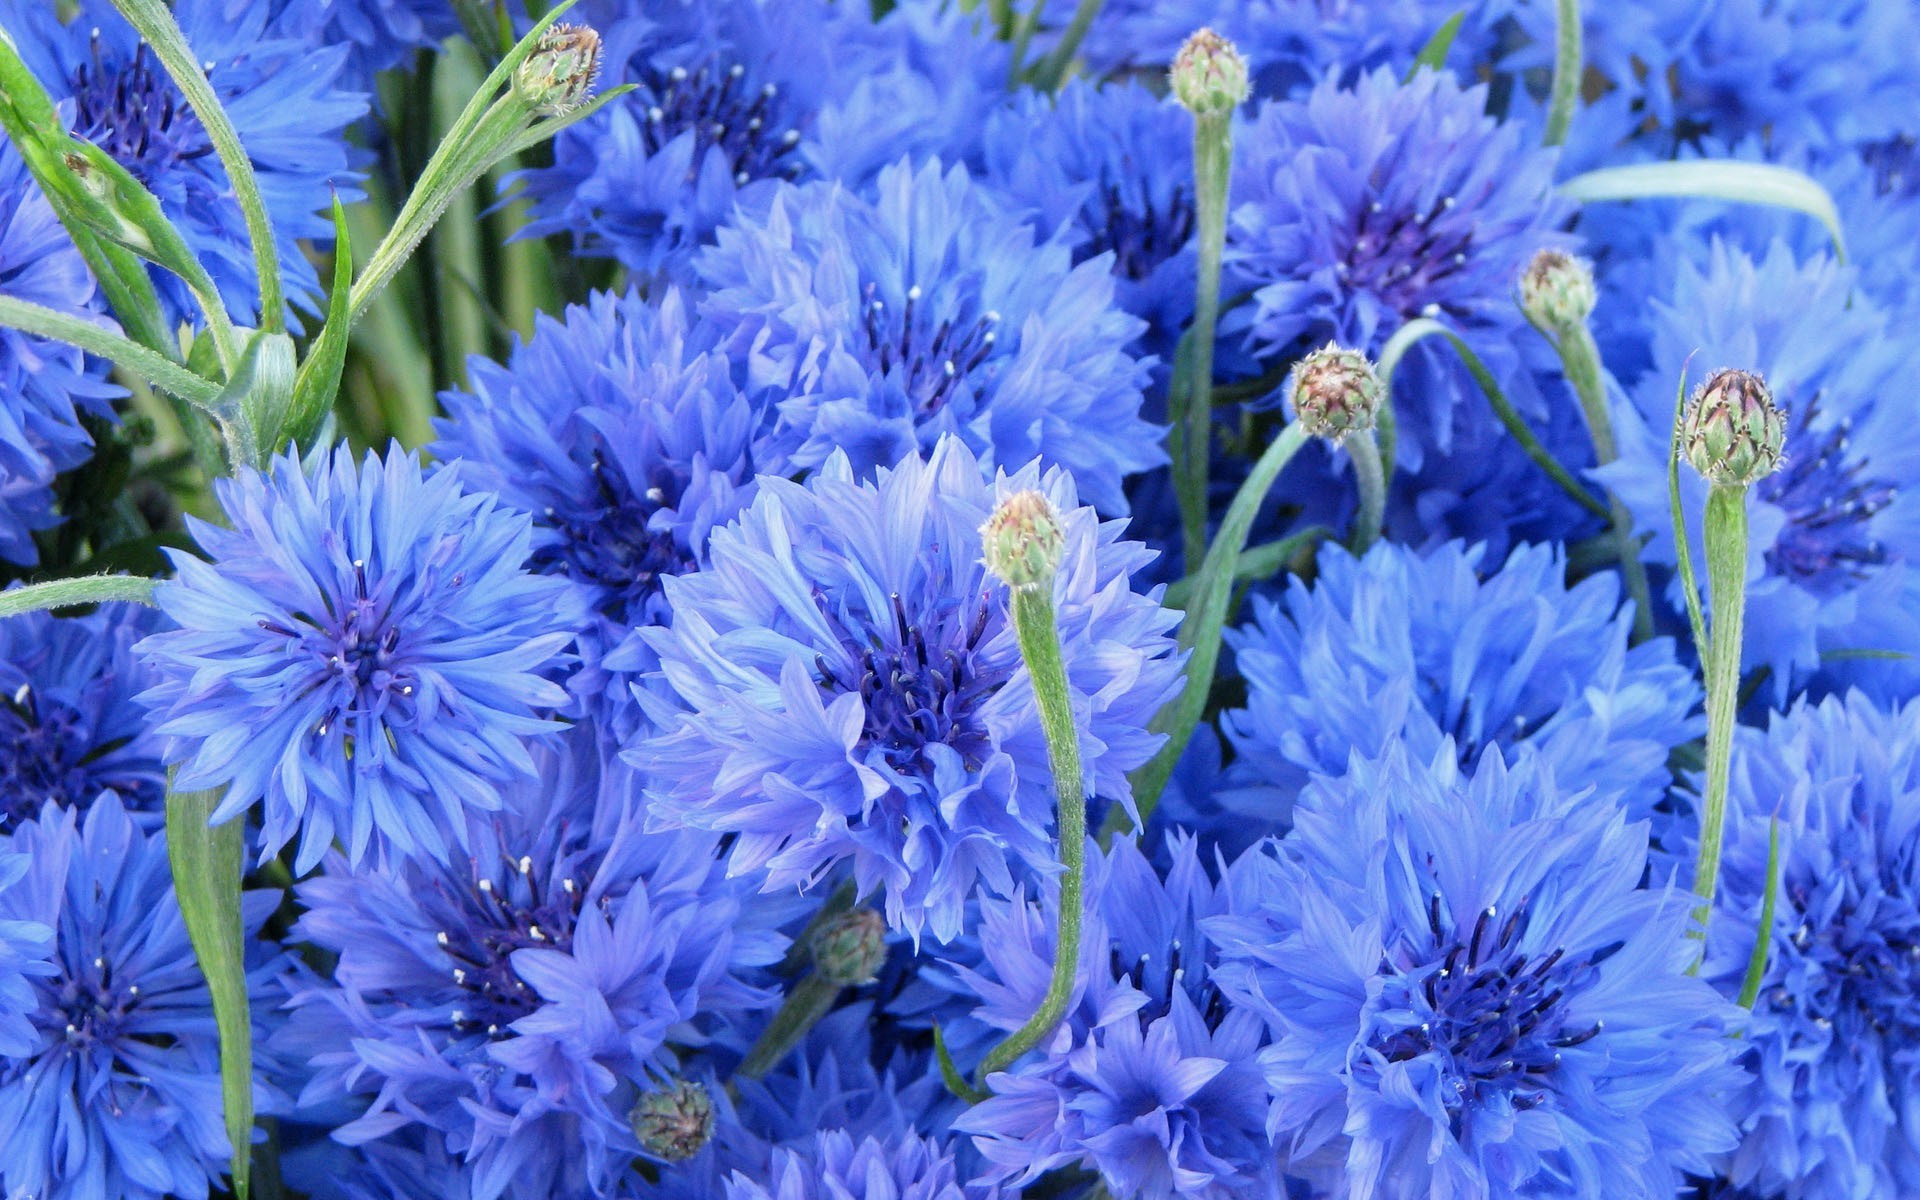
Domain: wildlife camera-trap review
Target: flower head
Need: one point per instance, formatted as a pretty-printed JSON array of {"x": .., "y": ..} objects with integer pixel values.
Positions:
[
  {"x": 1835, "y": 1019},
  {"x": 1404, "y": 646},
  {"x": 1557, "y": 292},
  {"x": 118, "y": 1093},
  {"x": 1732, "y": 432},
  {"x": 282, "y": 94},
  {"x": 24, "y": 945},
  {"x": 674, "y": 1122},
  {"x": 619, "y": 428},
  {"x": 558, "y": 75},
  {"x": 69, "y": 727},
  {"x": 1208, "y": 75},
  {"x": 1335, "y": 392},
  {"x": 361, "y": 650},
  {"x": 925, "y": 311},
  {"x": 1469, "y": 993},
  {"x": 1021, "y": 541},
  {"x": 842, "y": 682}
]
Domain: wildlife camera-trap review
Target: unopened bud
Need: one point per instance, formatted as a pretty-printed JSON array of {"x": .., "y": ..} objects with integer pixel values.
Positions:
[
  {"x": 674, "y": 1123},
  {"x": 1556, "y": 291},
  {"x": 558, "y": 76},
  {"x": 1022, "y": 542},
  {"x": 1336, "y": 393},
  {"x": 849, "y": 947},
  {"x": 1733, "y": 432},
  {"x": 1209, "y": 76}
]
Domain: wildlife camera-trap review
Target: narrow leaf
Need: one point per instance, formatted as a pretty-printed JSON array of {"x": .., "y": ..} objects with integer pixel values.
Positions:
[
  {"x": 1433, "y": 55},
  {"x": 1682, "y": 543},
  {"x": 318, "y": 382},
  {"x": 149, "y": 365},
  {"x": 206, "y": 877},
  {"x": 1712, "y": 179},
  {"x": 1763, "y": 942}
]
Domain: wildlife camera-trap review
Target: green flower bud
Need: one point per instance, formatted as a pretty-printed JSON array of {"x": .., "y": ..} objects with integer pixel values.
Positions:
[
  {"x": 674, "y": 1123},
  {"x": 1556, "y": 291},
  {"x": 1209, "y": 76},
  {"x": 558, "y": 76},
  {"x": 1022, "y": 541},
  {"x": 1733, "y": 433},
  {"x": 849, "y": 947},
  {"x": 1336, "y": 393}
]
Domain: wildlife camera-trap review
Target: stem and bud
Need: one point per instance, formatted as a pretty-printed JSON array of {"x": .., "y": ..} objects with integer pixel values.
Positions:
[
  {"x": 847, "y": 948},
  {"x": 1022, "y": 543},
  {"x": 1210, "y": 78},
  {"x": 1336, "y": 395},
  {"x": 674, "y": 1123},
  {"x": 558, "y": 76}
]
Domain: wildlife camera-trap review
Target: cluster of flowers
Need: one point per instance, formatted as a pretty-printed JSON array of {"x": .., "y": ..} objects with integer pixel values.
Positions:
[{"x": 646, "y": 790}]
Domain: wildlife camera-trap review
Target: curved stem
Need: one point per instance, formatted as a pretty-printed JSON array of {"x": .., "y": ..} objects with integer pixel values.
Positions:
[
  {"x": 1567, "y": 68},
  {"x": 1727, "y": 585},
  {"x": 1039, "y": 636},
  {"x": 1372, "y": 481}
]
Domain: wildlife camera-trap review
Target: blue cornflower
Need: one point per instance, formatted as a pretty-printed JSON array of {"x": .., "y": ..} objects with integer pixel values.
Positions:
[
  {"x": 1469, "y": 993},
  {"x": 118, "y": 1094},
  {"x": 514, "y": 1006},
  {"x": 1359, "y": 208},
  {"x": 281, "y": 93},
  {"x": 835, "y": 1166},
  {"x": 362, "y": 651},
  {"x": 378, "y": 34},
  {"x": 24, "y": 945},
  {"x": 44, "y": 385},
  {"x": 69, "y": 727},
  {"x": 1835, "y": 1021},
  {"x": 842, "y": 682},
  {"x": 1152, "y": 1079},
  {"x": 1831, "y": 531},
  {"x": 1415, "y": 647},
  {"x": 1107, "y": 169},
  {"x": 929, "y": 311},
  {"x": 621, "y": 430}
]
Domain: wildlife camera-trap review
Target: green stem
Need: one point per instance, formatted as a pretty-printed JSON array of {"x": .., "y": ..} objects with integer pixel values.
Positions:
[
  {"x": 1567, "y": 68},
  {"x": 1053, "y": 71},
  {"x": 1256, "y": 562},
  {"x": 1372, "y": 480},
  {"x": 1200, "y": 631},
  {"x": 1726, "y": 534},
  {"x": 1580, "y": 359},
  {"x": 810, "y": 999},
  {"x": 70, "y": 593},
  {"x": 155, "y": 23},
  {"x": 1193, "y": 421},
  {"x": 156, "y": 369},
  {"x": 1039, "y": 635}
]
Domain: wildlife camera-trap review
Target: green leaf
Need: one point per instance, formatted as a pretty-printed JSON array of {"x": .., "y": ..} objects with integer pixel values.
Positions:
[
  {"x": 1757, "y": 963},
  {"x": 950, "y": 1074},
  {"x": 318, "y": 382},
  {"x": 71, "y": 593},
  {"x": 1682, "y": 542},
  {"x": 255, "y": 401},
  {"x": 155, "y": 368},
  {"x": 1433, "y": 55},
  {"x": 1712, "y": 179},
  {"x": 206, "y": 878}
]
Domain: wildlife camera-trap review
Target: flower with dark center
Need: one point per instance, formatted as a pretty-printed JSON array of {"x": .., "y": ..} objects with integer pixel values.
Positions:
[
  {"x": 514, "y": 1008},
  {"x": 362, "y": 651},
  {"x": 841, "y": 683},
  {"x": 119, "y": 1092},
  {"x": 1469, "y": 993},
  {"x": 620, "y": 429},
  {"x": 283, "y": 94},
  {"x": 887, "y": 323},
  {"x": 69, "y": 726},
  {"x": 1832, "y": 531},
  {"x": 1838, "y": 1009}
]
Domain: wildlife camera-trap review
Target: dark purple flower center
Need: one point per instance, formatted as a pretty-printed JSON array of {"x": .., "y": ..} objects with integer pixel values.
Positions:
[
  {"x": 1402, "y": 257},
  {"x": 926, "y": 359},
  {"x": 726, "y": 114},
  {"x": 133, "y": 111},
  {"x": 1141, "y": 233},
  {"x": 1157, "y": 977},
  {"x": 48, "y": 753},
  {"x": 920, "y": 682},
  {"x": 1829, "y": 501},
  {"x": 619, "y": 539},
  {"x": 1487, "y": 1012},
  {"x": 358, "y": 646},
  {"x": 85, "y": 1009},
  {"x": 1863, "y": 946},
  {"x": 520, "y": 908}
]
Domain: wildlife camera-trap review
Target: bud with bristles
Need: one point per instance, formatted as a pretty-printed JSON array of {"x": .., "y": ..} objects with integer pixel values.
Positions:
[
  {"x": 1556, "y": 291},
  {"x": 1022, "y": 541},
  {"x": 1336, "y": 393},
  {"x": 1733, "y": 432},
  {"x": 558, "y": 76},
  {"x": 1209, "y": 76},
  {"x": 849, "y": 947},
  {"x": 675, "y": 1122}
]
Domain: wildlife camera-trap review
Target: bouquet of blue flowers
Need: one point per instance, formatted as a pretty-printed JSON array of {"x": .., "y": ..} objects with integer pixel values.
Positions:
[{"x": 959, "y": 600}]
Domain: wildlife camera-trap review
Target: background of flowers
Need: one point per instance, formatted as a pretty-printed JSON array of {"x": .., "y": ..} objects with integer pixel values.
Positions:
[{"x": 563, "y": 748}]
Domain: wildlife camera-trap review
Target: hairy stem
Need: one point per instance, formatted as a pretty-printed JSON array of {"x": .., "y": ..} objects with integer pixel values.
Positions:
[
  {"x": 1193, "y": 422},
  {"x": 1580, "y": 359},
  {"x": 1567, "y": 68},
  {"x": 1372, "y": 480},
  {"x": 1726, "y": 535}
]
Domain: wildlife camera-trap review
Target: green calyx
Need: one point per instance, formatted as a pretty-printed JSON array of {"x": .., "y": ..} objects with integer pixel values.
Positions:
[
  {"x": 558, "y": 76},
  {"x": 1022, "y": 542},
  {"x": 1209, "y": 76},
  {"x": 1733, "y": 432},
  {"x": 1336, "y": 393}
]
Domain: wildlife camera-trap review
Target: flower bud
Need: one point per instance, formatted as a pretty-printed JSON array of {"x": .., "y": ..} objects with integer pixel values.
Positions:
[
  {"x": 849, "y": 947},
  {"x": 558, "y": 76},
  {"x": 1209, "y": 76},
  {"x": 675, "y": 1122},
  {"x": 1556, "y": 291},
  {"x": 1733, "y": 432},
  {"x": 1022, "y": 542},
  {"x": 1336, "y": 393}
]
